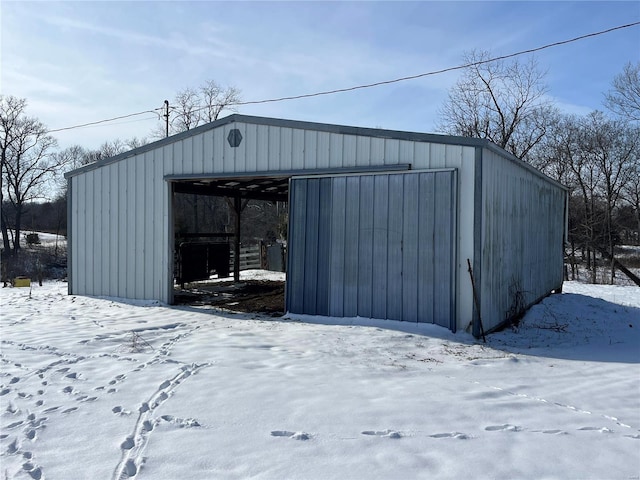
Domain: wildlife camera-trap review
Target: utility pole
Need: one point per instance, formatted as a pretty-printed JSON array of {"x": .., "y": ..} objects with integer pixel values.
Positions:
[{"x": 166, "y": 117}]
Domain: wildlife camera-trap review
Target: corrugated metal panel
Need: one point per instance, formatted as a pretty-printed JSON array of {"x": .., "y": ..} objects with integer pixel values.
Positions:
[
  {"x": 350, "y": 246},
  {"x": 90, "y": 218},
  {"x": 296, "y": 247},
  {"x": 323, "y": 147},
  {"x": 394, "y": 248},
  {"x": 522, "y": 238},
  {"x": 337, "y": 260},
  {"x": 374, "y": 245},
  {"x": 410, "y": 247},
  {"x": 366, "y": 259}
]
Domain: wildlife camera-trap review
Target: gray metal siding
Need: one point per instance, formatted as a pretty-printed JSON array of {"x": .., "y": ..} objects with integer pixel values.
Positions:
[
  {"x": 119, "y": 225},
  {"x": 374, "y": 245},
  {"x": 135, "y": 198},
  {"x": 522, "y": 238}
]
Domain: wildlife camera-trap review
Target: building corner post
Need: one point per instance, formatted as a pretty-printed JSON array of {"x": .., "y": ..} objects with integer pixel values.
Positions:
[{"x": 477, "y": 242}]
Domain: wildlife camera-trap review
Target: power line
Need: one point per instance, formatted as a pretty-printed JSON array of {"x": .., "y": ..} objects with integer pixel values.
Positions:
[
  {"x": 437, "y": 72},
  {"x": 104, "y": 121},
  {"x": 375, "y": 84}
]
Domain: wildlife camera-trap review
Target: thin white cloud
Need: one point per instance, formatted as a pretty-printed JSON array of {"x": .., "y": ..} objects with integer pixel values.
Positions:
[
  {"x": 91, "y": 60},
  {"x": 172, "y": 40}
]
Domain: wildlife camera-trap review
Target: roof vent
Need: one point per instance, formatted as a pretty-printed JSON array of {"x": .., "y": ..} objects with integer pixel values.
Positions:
[{"x": 234, "y": 138}]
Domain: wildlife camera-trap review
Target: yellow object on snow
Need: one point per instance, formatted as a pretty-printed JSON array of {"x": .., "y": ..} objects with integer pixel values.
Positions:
[{"x": 22, "y": 282}]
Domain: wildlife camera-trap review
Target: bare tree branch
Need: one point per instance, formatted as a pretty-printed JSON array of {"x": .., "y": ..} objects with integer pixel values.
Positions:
[
  {"x": 502, "y": 102},
  {"x": 624, "y": 98}
]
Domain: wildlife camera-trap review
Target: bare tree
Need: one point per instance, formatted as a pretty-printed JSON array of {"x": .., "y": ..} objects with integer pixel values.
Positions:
[
  {"x": 11, "y": 111},
  {"x": 614, "y": 148},
  {"x": 187, "y": 111},
  {"x": 74, "y": 156},
  {"x": 27, "y": 159},
  {"x": 192, "y": 107},
  {"x": 215, "y": 99},
  {"x": 111, "y": 148},
  {"x": 624, "y": 98},
  {"x": 501, "y": 101},
  {"x": 597, "y": 158}
]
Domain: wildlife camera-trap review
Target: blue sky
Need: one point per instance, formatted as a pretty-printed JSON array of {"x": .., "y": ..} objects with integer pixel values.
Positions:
[{"x": 78, "y": 62}]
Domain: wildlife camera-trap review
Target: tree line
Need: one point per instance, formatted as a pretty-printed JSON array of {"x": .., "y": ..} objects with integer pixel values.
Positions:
[
  {"x": 597, "y": 155},
  {"x": 507, "y": 102}
]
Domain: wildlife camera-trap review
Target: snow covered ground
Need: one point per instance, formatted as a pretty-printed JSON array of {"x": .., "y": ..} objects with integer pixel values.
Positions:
[
  {"x": 46, "y": 239},
  {"x": 101, "y": 388}
]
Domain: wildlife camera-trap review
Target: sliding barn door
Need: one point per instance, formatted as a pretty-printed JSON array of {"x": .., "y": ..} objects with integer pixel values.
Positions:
[{"x": 374, "y": 245}]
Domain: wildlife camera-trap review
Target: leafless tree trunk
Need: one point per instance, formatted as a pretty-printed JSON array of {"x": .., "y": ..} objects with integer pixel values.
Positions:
[
  {"x": 27, "y": 159},
  {"x": 631, "y": 194},
  {"x": 11, "y": 110},
  {"x": 614, "y": 148}
]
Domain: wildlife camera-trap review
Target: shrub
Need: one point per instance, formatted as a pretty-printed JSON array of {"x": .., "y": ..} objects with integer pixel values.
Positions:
[
  {"x": 38, "y": 263},
  {"x": 32, "y": 239}
]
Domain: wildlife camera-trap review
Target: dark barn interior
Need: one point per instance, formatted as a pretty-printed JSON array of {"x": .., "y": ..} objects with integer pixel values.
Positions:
[{"x": 223, "y": 226}]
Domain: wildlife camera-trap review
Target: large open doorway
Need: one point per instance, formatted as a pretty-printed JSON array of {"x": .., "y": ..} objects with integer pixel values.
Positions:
[{"x": 229, "y": 242}]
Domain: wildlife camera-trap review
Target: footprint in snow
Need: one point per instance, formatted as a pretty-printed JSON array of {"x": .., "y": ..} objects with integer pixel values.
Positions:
[
  {"x": 383, "y": 433},
  {"x": 128, "y": 444},
  {"x": 458, "y": 435},
  {"x": 293, "y": 435},
  {"x": 161, "y": 398},
  {"x": 117, "y": 378},
  {"x": 13, "y": 447},
  {"x": 130, "y": 468},
  {"x": 597, "y": 429},
  {"x": 32, "y": 470},
  {"x": 507, "y": 427},
  {"x": 180, "y": 422}
]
